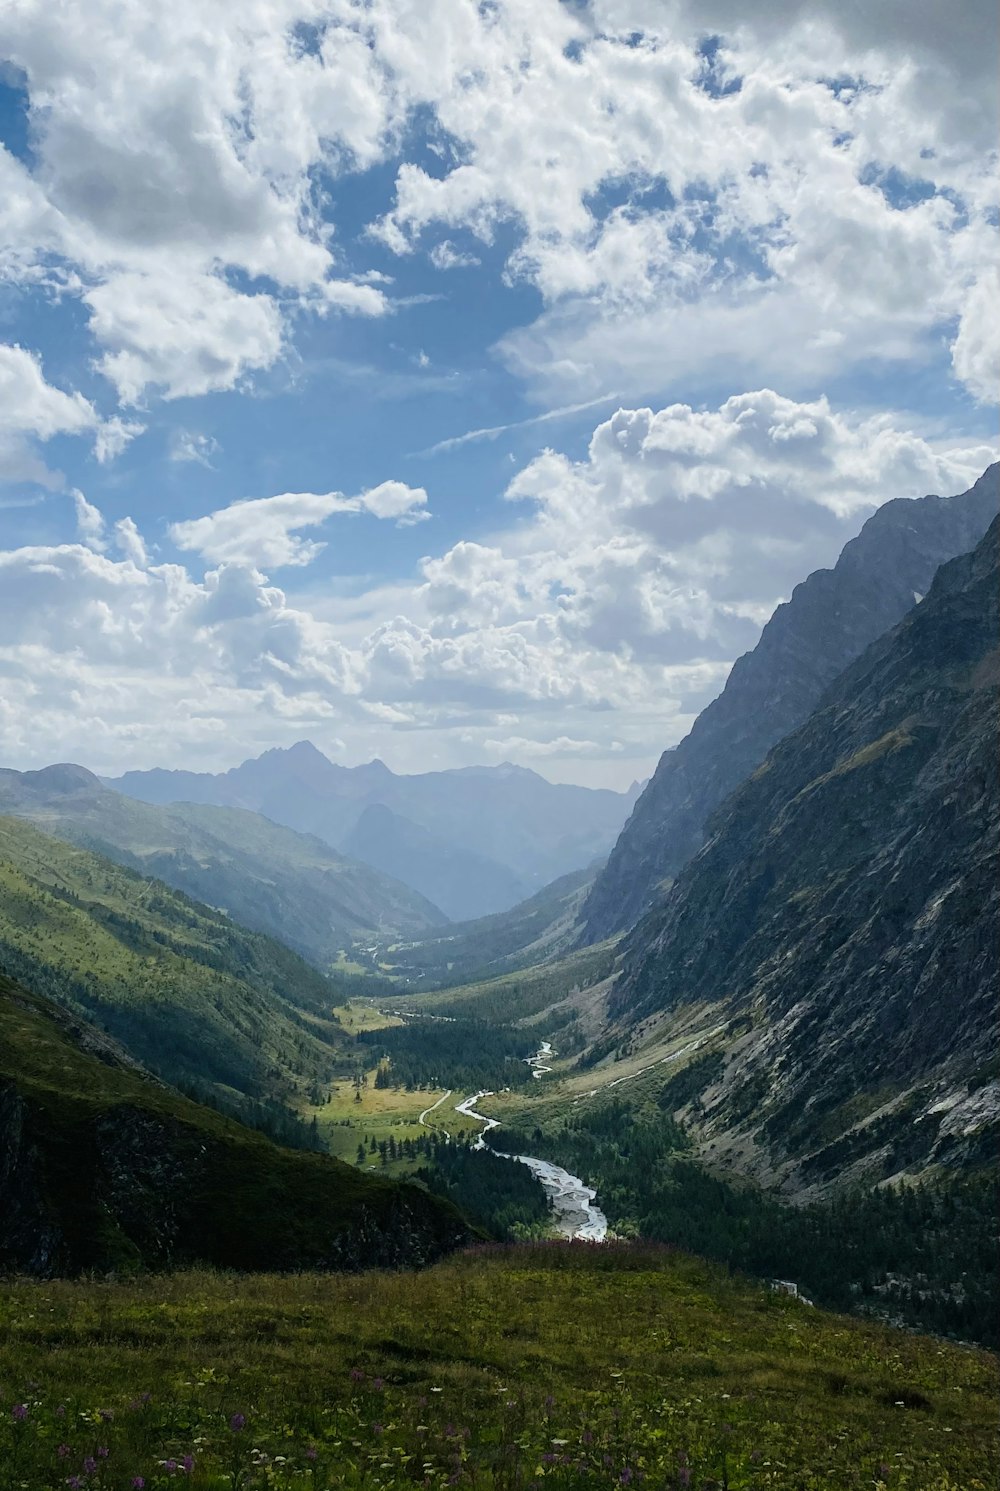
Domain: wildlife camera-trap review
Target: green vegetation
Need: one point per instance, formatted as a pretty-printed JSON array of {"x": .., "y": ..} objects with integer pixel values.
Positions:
[
  {"x": 191, "y": 995},
  {"x": 285, "y": 884},
  {"x": 498, "y": 1195},
  {"x": 106, "y": 1168},
  {"x": 553, "y": 1365},
  {"x": 517, "y": 996},
  {"x": 452, "y": 1053},
  {"x": 922, "y": 1256}
]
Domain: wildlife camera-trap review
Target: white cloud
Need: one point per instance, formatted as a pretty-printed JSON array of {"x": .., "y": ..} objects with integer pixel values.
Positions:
[
  {"x": 394, "y": 499},
  {"x": 976, "y": 349},
  {"x": 190, "y": 445},
  {"x": 32, "y": 411},
  {"x": 445, "y": 255},
  {"x": 184, "y": 335},
  {"x": 89, "y": 522},
  {"x": 130, "y": 542},
  {"x": 178, "y": 157},
  {"x": 263, "y": 532}
]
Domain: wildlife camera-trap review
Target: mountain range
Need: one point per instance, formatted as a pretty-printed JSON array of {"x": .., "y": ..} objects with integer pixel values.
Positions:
[
  {"x": 287, "y": 884},
  {"x": 474, "y": 840},
  {"x": 828, "y": 621}
]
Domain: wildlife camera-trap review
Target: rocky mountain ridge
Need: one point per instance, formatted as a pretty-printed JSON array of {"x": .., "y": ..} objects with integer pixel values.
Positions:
[
  {"x": 828, "y": 621},
  {"x": 840, "y": 925}
]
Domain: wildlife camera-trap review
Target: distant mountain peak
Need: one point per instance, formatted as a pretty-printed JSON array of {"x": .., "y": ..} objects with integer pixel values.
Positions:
[{"x": 64, "y": 776}]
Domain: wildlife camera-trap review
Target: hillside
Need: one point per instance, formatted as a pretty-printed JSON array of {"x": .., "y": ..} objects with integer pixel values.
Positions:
[
  {"x": 828, "y": 622},
  {"x": 840, "y": 925},
  {"x": 287, "y": 884},
  {"x": 102, "y": 1167},
  {"x": 494, "y": 1369},
  {"x": 523, "y": 831},
  {"x": 189, "y": 993}
]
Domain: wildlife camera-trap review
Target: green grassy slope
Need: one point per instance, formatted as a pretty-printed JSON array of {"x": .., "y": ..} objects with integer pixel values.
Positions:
[
  {"x": 191, "y": 994},
  {"x": 102, "y": 1166},
  {"x": 540, "y": 1367}
]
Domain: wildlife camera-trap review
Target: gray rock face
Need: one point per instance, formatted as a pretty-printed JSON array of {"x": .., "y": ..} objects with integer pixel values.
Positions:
[
  {"x": 844, "y": 912},
  {"x": 828, "y": 622}
]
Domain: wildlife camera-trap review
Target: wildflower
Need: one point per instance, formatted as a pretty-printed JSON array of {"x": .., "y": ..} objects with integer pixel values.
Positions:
[
  {"x": 378, "y": 1384},
  {"x": 138, "y": 1483},
  {"x": 90, "y": 1465},
  {"x": 626, "y": 1475},
  {"x": 19, "y": 1412},
  {"x": 75, "y": 1483},
  {"x": 187, "y": 1464},
  {"x": 103, "y": 1452},
  {"x": 238, "y": 1422},
  {"x": 311, "y": 1452},
  {"x": 63, "y": 1451},
  {"x": 357, "y": 1375}
]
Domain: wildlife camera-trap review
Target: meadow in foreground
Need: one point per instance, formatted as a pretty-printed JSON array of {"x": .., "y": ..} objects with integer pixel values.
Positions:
[{"x": 541, "y": 1366}]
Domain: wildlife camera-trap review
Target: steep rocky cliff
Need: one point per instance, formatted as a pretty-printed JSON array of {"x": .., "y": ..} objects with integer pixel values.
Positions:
[
  {"x": 842, "y": 917},
  {"x": 829, "y": 620},
  {"x": 103, "y": 1167}
]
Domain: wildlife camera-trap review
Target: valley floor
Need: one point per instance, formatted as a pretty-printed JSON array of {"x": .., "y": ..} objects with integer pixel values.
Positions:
[{"x": 549, "y": 1365}]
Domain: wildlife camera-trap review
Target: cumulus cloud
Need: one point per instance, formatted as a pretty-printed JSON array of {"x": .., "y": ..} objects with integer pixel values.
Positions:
[
  {"x": 634, "y": 576},
  {"x": 635, "y": 172}
]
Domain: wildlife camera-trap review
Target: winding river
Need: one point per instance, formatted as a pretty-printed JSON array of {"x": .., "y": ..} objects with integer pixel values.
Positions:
[{"x": 576, "y": 1215}]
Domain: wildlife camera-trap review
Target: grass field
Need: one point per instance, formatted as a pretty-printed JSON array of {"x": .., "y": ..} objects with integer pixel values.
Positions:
[
  {"x": 551, "y": 1366},
  {"x": 354, "y": 1115}
]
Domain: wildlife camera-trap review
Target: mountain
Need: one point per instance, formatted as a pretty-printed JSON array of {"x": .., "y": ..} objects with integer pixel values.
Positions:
[
  {"x": 190, "y": 994},
  {"x": 828, "y": 622},
  {"x": 524, "y": 830},
  {"x": 463, "y": 883},
  {"x": 287, "y": 884},
  {"x": 102, "y": 1167},
  {"x": 839, "y": 928}
]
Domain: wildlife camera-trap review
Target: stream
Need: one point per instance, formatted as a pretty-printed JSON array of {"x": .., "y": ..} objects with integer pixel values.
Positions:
[{"x": 572, "y": 1200}]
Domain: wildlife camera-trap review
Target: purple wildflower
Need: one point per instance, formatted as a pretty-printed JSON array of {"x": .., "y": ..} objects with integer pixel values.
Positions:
[
  {"x": 103, "y": 1452},
  {"x": 63, "y": 1451},
  {"x": 90, "y": 1465},
  {"x": 238, "y": 1422},
  {"x": 357, "y": 1375},
  {"x": 19, "y": 1412},
  {"x": 626, "y": 1475},
  {"x": 138, "y": 1483},
  {"x": 187, "y": 1464},
  {"x": 311, "y": 1452},
  {"x": 75, "y": 1483},
  {"x": 170, "y": 1465},
  {"x": 378, "y": 1384}
]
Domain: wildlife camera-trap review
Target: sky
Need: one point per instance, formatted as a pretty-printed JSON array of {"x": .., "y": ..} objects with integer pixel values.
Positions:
[{"x": 458, "y": 382}]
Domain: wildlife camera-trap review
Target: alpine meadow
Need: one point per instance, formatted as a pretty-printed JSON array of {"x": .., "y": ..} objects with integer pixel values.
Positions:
[{"x": 499, "y": 682}]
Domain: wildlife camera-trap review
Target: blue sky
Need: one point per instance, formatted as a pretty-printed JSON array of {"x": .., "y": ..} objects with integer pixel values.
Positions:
[{"x": 718, "y": 288}]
